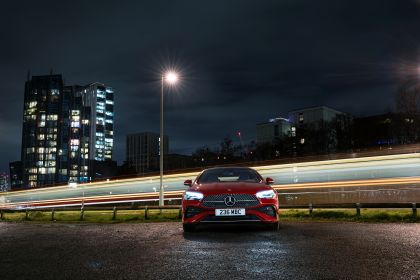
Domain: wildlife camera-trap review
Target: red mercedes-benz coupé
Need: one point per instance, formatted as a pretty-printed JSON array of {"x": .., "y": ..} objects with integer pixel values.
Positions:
[{"x": 229, "y": 195}]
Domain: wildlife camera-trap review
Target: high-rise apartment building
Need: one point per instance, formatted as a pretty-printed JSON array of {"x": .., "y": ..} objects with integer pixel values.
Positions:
[
  {"x": 142, "y": 151},
  {"x": 42, "y": 128},
  {"x": 100, "y": 99},
  {"x": 66, "y": 129}
]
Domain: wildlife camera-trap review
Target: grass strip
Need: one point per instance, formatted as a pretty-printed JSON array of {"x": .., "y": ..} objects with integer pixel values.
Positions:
[{"x": 167, "y": 215}]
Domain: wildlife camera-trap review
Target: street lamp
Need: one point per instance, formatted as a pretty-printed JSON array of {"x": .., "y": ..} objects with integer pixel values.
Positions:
[{"x": 171, "y": 78}]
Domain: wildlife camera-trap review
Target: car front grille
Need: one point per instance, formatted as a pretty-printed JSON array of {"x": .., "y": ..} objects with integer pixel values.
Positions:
[{"x": 241, "y": 200}]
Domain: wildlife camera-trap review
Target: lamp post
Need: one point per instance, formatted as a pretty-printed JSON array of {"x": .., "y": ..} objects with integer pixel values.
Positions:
[{"x": 171, "y": 78}]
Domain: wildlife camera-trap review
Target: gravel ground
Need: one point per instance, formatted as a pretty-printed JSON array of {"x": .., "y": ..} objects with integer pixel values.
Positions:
[{"x": 299, "y": 250}]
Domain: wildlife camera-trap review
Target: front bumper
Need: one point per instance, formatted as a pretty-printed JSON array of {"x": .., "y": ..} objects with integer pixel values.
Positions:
[{"x": 194, "y": 213}]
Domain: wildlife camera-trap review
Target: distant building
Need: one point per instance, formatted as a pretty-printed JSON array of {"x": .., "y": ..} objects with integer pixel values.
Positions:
[
  {"x": 380, "y": 130},
  {"x": 320, "y": 130},
  {"x": 16, "y": 173},
  {"x": 313, "y": 115},
  {"x": 177, "y": 161},
  {"x": 274, "y": 129},
  {"x": 4, "y": 182},
  {"x": 65, "y": 129},
  {"x": 142, "y": 151},
  {"x": 43, "y": 119}
]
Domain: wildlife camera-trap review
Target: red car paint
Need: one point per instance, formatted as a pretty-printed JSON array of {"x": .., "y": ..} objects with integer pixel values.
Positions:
[{"x": 253, "y": 213}]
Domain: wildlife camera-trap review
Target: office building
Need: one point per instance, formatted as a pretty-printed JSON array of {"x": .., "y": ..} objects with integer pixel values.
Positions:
[
  {"x": 4, "y": 182},
  {"x": 273, "y": 130},
  {"x": 42, "y": 128},
  {"x": 16, "y": 173},
  {"x": 313, "y": 115},
  {"x": 142, "y": 151},
  {"x": 65, "y": 130},
  {"x": 320, "y": 130}
]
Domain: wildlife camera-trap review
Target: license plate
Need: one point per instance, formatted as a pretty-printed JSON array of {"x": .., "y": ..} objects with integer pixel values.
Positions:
[{"x": 230, "y": 212}]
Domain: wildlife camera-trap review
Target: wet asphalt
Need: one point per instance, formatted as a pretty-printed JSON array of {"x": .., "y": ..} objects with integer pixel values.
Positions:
[{"x": 299, "y": 250}]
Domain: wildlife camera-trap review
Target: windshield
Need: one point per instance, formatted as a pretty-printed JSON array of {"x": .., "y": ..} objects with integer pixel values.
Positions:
[{"x": 229, "y": 175}]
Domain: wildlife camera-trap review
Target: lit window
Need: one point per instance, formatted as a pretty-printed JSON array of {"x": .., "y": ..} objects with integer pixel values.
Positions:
[
  {"x": 52, "y": 117},
  {"x": 32, "y": 104},
  {"x": 75, "y": 124},
  {"x": 85, "y": 121},
  {"x": 75, "y": 112},
  {"x": 74, "y": 142},
  {"x": 109, "y": 113},
  {"x": 110, "y": 102},
  {"x": 51, "y": 170},
  {"x": 54, "y": 92},
  {"x": 301, "y": 117},
  {"x": 302, "y": 141}
]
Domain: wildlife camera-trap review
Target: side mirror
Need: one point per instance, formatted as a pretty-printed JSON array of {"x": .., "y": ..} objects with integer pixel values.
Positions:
[
  {"x": 188, "y": 183},
  {"x": 269, "y": 181}
]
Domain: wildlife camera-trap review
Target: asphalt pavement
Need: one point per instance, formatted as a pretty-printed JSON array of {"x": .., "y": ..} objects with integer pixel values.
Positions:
[{"x": 299, "y": 250}]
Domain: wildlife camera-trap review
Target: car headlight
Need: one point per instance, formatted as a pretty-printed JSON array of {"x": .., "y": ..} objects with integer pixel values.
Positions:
[
  {"x": 266, "y": 194},
  {"x": 193, "y": 195}
]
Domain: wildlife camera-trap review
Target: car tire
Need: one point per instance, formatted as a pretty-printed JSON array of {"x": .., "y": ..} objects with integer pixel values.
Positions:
[
  {"x": 274, "y": 226},
  {"x": 188, "y": 227}
]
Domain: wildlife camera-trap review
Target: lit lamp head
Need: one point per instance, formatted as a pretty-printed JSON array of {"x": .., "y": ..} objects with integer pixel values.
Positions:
[{"x": 171, "y": 77}]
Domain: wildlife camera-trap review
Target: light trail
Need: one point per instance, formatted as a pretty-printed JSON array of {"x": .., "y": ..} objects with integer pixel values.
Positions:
[{"x": 374, "y": 172}]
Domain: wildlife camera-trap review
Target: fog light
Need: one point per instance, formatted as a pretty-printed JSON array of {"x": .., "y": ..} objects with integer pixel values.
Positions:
[
  {"x": 268, "y": 210},
  {"x": 191, "y": 212}
]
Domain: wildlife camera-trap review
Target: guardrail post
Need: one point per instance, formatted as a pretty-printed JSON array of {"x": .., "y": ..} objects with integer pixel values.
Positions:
[
  {"x": 414, "y": 207},
  {"x": 82, "y": 212},
  {"x": 114, "y": 213},
  {"x": 357, "y": 209},
  {"x": 311, "y": 208},
  {"x": 145, "y": 212},
  {"x": 26, "y": 214},
  {"x": 52, "y": 214}
]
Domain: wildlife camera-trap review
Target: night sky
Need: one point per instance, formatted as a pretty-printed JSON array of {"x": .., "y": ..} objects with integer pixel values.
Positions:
[{"x": 241, "y": 62}]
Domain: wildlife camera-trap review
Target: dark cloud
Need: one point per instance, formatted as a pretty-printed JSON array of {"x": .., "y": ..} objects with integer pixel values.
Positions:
[{"x": 241, "y": 61}]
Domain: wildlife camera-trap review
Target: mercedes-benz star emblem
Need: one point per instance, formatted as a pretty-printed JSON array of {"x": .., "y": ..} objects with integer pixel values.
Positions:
[{"x": 230, "y": 200}]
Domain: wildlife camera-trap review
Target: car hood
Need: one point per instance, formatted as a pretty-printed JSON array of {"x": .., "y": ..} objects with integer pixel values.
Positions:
[{"x": 230, "y": 187}]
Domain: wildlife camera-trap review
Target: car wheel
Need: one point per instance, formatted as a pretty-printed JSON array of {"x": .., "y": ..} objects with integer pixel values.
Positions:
[
  {"x": 188, "y": 228},
  {"x": 274, "y": 226}
]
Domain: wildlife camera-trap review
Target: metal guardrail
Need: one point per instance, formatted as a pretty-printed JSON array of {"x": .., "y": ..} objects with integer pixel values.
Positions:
[
  {"x": 311, "y": 207},
  {"x": 83, "y": 209},
  {"x": 357, "y": 207}
]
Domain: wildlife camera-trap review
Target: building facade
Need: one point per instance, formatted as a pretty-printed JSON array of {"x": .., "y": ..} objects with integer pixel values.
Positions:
[
  {"x": 42, "y": 126},
  {"x": 273, "y": 130},
  {"x": 4, "y": 182},
  {"x": 320, "y": 130},
  {"x": 142, "y": 151},
  {"x": 65, "y": 130},
  {"x": 16, "y": 173}
]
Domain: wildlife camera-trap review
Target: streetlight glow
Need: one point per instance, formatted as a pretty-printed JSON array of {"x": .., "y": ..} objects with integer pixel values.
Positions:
[{"x": 171, "y": 77}]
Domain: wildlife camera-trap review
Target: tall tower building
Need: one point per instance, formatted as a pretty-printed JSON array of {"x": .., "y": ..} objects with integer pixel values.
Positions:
[
  {"x": 42, "y": 127},
  {"x": 66, "y": 131},
  {"x": 100, "y": 99}
]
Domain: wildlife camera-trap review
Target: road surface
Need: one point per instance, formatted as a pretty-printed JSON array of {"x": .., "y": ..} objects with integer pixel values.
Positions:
[{"x": 305, "y": 250}]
